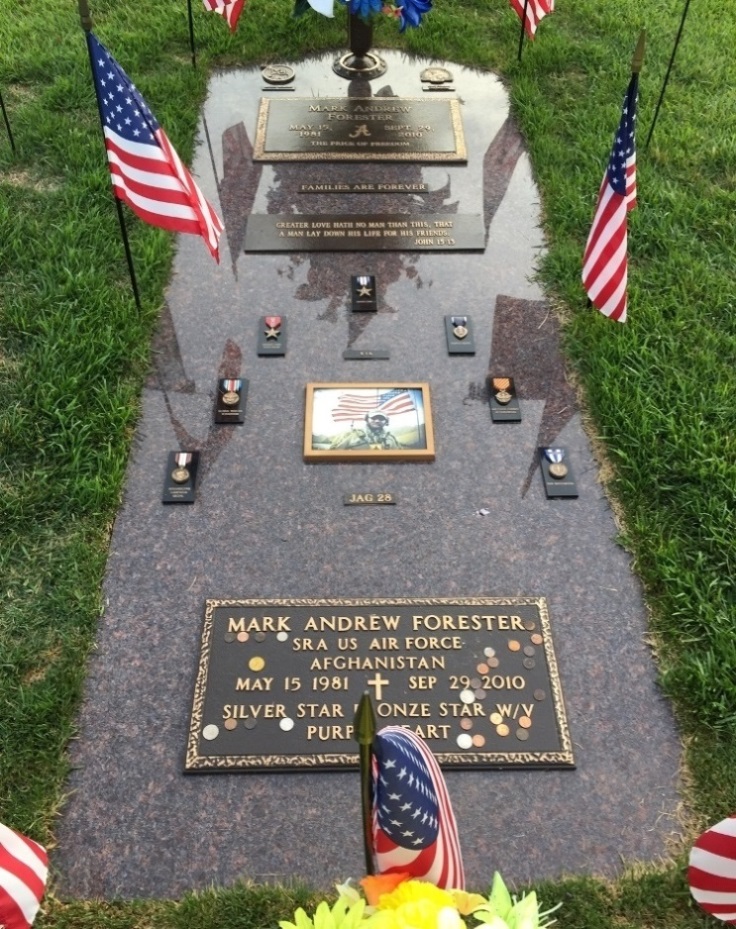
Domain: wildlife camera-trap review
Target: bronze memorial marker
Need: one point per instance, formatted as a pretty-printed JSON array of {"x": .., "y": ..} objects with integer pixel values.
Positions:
[
  {"x": 279, "y": 681},
  {"x": 359, "y": 129}
]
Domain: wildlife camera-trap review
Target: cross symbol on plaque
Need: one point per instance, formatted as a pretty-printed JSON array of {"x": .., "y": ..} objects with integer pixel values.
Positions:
[{"x": 378, "y": 683}]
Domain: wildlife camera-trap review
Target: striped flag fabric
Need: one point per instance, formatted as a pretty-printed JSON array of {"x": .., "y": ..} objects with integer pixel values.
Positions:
[
  {"x": 229, "y": 9},
  {"x": 712, "y": 870},
  {"x": 23, "y": 874},
  {"x": 356, "y": 405},
  {"x": 536, "y": 10},
  {"x": 414, "y": 828},
  {"x": 146, "y": 172},
  {"x": 605, "y": 261}
]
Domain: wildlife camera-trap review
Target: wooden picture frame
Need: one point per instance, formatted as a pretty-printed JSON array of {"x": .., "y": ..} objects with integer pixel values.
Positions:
[{"x": 368, "y": 421}]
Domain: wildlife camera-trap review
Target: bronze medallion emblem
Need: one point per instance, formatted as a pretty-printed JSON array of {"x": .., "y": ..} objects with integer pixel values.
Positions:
[
  {"x": 557, "y": 469},
  {"x": 231, "y": 397},
  {"x": 503, "y": 397},
  {"x": 435, "y": 76},
  {"x": 180, "y": 475},
  {"x": 277, "y": 74}
]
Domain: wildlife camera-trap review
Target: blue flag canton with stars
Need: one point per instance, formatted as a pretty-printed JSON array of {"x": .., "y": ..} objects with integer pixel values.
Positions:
[
  {"x": 624, "y": 144},
  {"x": 123, "y": 109},
  {"x": 405, "y": 801}
]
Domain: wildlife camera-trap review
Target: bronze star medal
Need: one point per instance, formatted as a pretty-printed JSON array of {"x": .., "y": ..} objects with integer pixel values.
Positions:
[
  {"x": 274, "y": 326},
  {"x": 231, "y": 395},
  {"x": 365, "y": 291}
]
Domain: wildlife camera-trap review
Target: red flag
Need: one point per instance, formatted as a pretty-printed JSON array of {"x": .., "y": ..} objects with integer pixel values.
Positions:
[
  {"x": 536, "y": 10},
  {"x": 147, "y": 174},
  {"x": 230, "y": 9},
  {"x": 414, "y": 828},
  {"x": 23, "y": 873},
  {"x": 605, "y": 263},
  {"x": 712, "y": 871}
]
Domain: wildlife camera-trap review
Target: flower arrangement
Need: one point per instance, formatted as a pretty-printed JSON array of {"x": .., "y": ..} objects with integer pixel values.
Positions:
[
  {"x": 397, "y": 901},
  {"x": 407, "y": 12}
]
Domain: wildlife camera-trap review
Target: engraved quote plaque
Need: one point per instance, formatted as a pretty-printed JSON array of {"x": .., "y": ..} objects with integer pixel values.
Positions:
[
  {"x": 279, "y": 681},
  {"x": 359, "y": 129}
]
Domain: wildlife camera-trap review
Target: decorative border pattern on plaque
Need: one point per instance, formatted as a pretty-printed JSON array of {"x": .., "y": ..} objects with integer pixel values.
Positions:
[
  {"x": 381, "y": 129},
  {"x": 476, "y": 677}
]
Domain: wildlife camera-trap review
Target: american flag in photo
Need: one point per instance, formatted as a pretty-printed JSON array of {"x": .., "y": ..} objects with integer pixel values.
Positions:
[
  {"x": 414, "y": 828},
  {"x": 146, "y": 172},
  {"x": 536, "y": 10},
  {"x": 355, "y": 406},
  {"x": 230, "y": 9},
  {"x": 605, "y": 261},
  {"x": 712, "y": 870},
  {"x": 23, "y": 873}
]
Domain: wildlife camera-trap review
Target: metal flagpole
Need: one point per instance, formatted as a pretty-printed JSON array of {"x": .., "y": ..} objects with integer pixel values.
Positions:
[
  {"x": 191, "y": 33},
  {"x": 523, "y": 27},
  {"x": 7, "y": 123},
  {"x": 365, "y": 731},
  {"x": 86, "y": 21},
  {"x": 667, "y": 75}
]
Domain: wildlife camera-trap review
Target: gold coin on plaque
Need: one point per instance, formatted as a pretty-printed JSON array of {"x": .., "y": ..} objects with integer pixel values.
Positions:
[
  {"x": 460, "y": 332},
  {"x": 256, "y": 663},
  {"x": 180, "y": 475},
  {"x": 503, "y": 729},
  {"x": 537, "y": 638},
  {"x": 496, "y": 719},
  {"x": 230, "y": 723},
  {"x": 525, "y": 722},
  {"x": 557, "y": 469},
  {"x": 466, "y": 724},
  {"x": 231, "y": 397},
  {"x": 513, "y": 645}
]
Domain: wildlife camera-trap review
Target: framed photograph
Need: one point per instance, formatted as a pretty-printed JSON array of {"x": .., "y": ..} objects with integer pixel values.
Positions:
[{"x": 368, "y": 422}]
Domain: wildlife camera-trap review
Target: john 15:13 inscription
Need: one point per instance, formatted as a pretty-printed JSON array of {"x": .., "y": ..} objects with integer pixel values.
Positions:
[{"x": 279, "y": 681}]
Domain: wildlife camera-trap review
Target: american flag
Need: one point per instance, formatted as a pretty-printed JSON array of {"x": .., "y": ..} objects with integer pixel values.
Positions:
[
  {"x": 230, "y": 9},
  {"x": 536, "y": 10},
  {"x": 23, "y": 873},
  {"x": 605, "y": 260},
  {"x": 146, "y": 172},
  {"x": 356, "y": 405},
  {"x": 414, "y": 828},
  {"x": 712, "y": 870}
]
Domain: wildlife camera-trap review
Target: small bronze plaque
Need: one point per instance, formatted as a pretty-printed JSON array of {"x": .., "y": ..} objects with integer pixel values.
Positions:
[
  {"x": 364, "y": 232},
  {"x": 368, "y": 499},
  {"x": 371, "y": 187},
  {"x": 366, "y": 354},
  {"x": 360, "y": 129},
  {"x": 279, "y": 681}
]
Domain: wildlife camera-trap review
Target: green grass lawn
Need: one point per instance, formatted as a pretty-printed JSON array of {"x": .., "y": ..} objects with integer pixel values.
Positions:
[{"x": 660, "y": 390}]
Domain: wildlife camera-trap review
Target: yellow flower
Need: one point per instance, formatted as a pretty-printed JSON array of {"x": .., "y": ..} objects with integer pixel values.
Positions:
[
  {"x": 467, "y": 903},
  {"x": 415, "y": 905}
]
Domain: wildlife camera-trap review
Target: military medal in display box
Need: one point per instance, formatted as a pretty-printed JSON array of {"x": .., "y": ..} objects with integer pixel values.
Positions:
[
  {"x": 559, "y": 481},
  {"x": 503, "y": 400},
  {"x": 230, "y": 400},
  {"x": 272, "y": 335},
  {"x": 363, "y": 289},
  {"x": 459, "y": 333},
  {"x": 181, "y": 477}
]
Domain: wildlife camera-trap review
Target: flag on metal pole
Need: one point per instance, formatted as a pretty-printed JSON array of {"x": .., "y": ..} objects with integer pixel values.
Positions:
[
  {"x": 605, "y": 261},
  {"x": 23, "y": 874},
  {"x": 532, "y": 12},
  {"x": 146, "y": 172},
  {"x": 414, "y": 828},
  {"x": 230, "y": 10}
]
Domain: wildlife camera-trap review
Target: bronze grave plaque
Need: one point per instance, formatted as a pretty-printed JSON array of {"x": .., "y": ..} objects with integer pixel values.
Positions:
[
  {"x": 279, "y": 681},
  {"x": 360, "y": 129},
  {"x": 364, "y": 232}
]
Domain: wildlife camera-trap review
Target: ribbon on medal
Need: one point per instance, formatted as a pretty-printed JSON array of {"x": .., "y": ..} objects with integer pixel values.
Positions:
[
  {"x": 274, "y": 324},
  {"x": 556, "y": 468}
]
